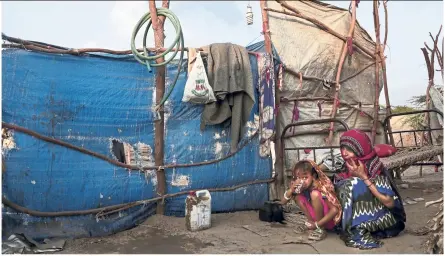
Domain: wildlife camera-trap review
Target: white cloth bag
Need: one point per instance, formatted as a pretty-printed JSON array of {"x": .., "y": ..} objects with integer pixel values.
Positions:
[{"x": 197, "y": 89}]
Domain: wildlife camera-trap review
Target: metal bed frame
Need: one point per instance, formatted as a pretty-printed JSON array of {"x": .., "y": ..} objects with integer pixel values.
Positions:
[{"x": 398, "y": 163}]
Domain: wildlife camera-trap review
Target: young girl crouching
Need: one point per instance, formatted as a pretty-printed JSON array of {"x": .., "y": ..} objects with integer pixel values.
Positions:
[{"x": 314, "y": 194}]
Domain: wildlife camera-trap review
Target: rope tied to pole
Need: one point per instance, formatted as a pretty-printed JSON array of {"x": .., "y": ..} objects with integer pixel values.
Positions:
[{"x": 150, "y": 60}]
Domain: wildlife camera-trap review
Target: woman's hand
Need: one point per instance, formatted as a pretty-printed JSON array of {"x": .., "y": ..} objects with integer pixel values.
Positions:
[{"x": 357, "y": 170}]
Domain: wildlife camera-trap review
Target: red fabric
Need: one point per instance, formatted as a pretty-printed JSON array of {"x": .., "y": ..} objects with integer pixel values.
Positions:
[
  {"x": 363, "y": 141},
  {"x": 350, "y": 48},
  {"x": 384, "y": 150}
]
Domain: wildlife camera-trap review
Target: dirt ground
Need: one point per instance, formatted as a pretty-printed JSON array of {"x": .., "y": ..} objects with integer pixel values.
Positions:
[{"x": 228, "y": 234}]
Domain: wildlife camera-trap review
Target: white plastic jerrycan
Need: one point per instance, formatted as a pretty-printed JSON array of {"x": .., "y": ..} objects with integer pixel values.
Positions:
[{"x": 198, "y": 210}]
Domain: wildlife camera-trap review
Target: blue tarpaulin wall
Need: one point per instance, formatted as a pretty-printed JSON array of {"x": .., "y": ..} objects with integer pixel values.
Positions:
[{"x": 88, "y": 101}]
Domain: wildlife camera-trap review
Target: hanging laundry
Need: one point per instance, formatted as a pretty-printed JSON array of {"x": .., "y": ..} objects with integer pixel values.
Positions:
[
  {"x": 230, "y": 76},
  {"x": 266, "y": 89}
]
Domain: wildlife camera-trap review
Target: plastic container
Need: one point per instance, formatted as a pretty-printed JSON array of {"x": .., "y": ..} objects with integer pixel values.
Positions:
[{"x": 198, "y": 210}]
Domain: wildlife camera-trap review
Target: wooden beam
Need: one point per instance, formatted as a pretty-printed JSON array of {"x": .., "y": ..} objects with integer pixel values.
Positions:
[
  {"x": 377, "y": 71},
  {"x": 158, "y": 27}
]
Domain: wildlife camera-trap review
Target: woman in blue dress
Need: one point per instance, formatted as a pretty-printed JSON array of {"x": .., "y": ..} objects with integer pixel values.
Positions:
[{"x": 372, "y": 206}]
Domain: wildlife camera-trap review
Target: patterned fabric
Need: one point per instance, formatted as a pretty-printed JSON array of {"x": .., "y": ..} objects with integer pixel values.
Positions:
[
  {"x": 266, "y": 89},
  {"x": 361, "y": 146},
  {"x": 280, "y": 77},
  {"x": 365, "y": 219},
  {"x": 334, "y": 163},
  {"x": 325, "y": 186}
]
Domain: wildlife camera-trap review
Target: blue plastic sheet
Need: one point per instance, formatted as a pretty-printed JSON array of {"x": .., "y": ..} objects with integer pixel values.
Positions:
[{"x": 88, "y": 101}]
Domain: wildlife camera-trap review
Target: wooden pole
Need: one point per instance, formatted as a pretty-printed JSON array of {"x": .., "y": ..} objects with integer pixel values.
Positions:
[
  {"x": 377, "y": 70},
  {"x": 266, "y": 32},
  {"x": 341, "y": 61},
  {"x": 385, "y": 79},
  {"x": 158, "y": 27},
  {"x": 277, "y": 188}
]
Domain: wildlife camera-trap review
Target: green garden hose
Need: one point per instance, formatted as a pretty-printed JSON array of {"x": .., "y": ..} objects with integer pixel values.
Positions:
[{"x": 150, "y": 61}]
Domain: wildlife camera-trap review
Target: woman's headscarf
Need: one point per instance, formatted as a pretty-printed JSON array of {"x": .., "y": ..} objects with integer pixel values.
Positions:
[
  {"x": 361, "y": 146},
  {"x": 325, "y": 186}
]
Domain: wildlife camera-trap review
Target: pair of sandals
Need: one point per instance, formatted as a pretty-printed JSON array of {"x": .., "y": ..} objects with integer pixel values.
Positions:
[{"x": 314, "y": 235}]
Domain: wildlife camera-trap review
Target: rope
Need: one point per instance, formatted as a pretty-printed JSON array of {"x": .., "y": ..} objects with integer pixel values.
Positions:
[
  {"x": 117, "y": 163},
  {"x": 100, "y": 212},
  {"x": 145, "y": 58}
]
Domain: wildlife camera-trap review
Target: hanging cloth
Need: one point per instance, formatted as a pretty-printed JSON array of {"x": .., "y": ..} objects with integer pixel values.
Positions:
[{"x": 266, "y": 89}]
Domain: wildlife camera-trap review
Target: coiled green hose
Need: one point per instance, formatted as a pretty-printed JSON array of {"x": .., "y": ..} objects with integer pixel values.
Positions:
[{"x": 150, "y": 61}]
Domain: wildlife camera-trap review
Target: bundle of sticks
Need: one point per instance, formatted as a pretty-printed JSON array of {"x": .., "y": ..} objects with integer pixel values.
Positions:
[{"x": 434, "y": 243}]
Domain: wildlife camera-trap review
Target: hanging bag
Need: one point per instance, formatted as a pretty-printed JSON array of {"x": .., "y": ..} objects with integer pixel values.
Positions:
[{"x": 197, "y": 89}]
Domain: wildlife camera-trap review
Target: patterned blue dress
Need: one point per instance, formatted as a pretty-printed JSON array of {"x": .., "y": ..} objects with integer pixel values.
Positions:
[{"x": 365, "y": 219}]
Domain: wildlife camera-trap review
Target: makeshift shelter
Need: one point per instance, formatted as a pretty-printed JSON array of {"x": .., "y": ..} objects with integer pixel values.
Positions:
[
  {"x": 307, "y": 50},
  {"x": 89, "y": 101},
  {"x": 98, "y": 101}
]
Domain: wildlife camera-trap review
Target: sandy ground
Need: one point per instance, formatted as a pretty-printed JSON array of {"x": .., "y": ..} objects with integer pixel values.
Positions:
[
  {"x": 162, "y": 234},
  {"x": 228, "y": 234}
]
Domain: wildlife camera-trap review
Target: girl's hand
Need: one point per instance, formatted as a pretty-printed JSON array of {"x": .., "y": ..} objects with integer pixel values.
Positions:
[
  {"x": 357, "y": 170},
  {"x": 293, "y": 185},
  {"x": 310, "y": 225}
]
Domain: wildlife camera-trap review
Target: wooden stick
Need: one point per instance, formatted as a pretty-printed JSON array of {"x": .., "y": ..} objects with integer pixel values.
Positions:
[
  {"x": 441, "y": 58},
  {"x": 385, "y": 7},
  {"x": 377, "y": 69},
  {"x": 431, "y": 74},
  {"x": 313, "y": 78},
  {"x": 427, "y": 204},
  {"x": 340, "y": 66},
  {"x": 80, "y": 51},
  {"x": 327, "y": 99},
  {"x": 318, "y": 23},
  {"x": 253, "y": 231},
  {"x": 430, "y": 67},
  {"x": 385, "y": 78}
]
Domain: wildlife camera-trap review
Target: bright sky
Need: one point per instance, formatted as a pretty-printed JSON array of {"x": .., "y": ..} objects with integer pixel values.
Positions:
[{"x": 110, "y": 24}]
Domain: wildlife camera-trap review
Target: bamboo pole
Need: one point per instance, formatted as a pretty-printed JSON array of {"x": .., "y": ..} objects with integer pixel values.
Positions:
[
  {"x": 377, "y": 70},
  {"x": 385, "y": 79},
  {"x": 158, "y": 27},
  {"x": 340, "y": 66}
]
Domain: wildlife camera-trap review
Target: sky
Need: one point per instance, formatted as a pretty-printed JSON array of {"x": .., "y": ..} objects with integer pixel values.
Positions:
[{"x": 108, "y": 24}]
